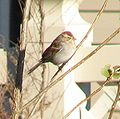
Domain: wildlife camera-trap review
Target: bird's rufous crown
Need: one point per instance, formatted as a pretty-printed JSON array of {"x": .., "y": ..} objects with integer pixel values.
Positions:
[{"x": 68, "y": 33}]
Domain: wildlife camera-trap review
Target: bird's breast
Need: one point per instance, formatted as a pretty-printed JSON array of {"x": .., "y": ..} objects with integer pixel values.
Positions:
[{"x": 64, "y": 54}]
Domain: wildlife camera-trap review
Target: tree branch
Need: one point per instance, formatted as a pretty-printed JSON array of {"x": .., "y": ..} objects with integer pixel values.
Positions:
[
  {"x": 89, "y": 97},
  {"x": 117, "y": 98}
]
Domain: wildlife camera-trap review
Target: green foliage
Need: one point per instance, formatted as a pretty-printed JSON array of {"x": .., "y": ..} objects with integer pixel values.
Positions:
[
  {"x": 116, "y": 72},
  {"x": 107, "y": 71}
]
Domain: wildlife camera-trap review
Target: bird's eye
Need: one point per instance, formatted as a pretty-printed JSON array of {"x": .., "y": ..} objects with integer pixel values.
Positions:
[
  {"x": 68, "y": 36},
  {"x": 118, "y": 70}
]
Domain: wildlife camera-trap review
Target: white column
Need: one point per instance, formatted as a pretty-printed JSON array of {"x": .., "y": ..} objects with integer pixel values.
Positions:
[{"x": 74, "y": 23}]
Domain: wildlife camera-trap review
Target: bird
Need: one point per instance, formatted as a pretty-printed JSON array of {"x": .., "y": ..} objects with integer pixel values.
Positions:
[{"x": 59, "y": 52}]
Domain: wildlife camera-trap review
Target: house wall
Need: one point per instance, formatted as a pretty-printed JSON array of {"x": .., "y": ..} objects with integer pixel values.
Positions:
[
  {"x": 4, "y": 20},
  {"x": 4, "y": 37}
]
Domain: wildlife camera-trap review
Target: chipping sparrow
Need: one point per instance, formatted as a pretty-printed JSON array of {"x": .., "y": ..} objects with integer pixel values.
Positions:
[{"x": 60, "y": 50}]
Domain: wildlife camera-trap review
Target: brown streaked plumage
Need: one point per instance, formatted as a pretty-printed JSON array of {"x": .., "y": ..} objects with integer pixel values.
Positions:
[{"x": 60, "y": 50}]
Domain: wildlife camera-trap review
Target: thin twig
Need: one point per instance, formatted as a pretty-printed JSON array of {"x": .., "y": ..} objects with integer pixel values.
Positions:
[
  {"x": 88, "y": 98},
  {"x": 94, "y": 22},
  {"x": 115, "y": 101},
  {"x": 35, "y": 105},
  {"x": 60, "y": 98},
  {"x": 21, "y": 5}
]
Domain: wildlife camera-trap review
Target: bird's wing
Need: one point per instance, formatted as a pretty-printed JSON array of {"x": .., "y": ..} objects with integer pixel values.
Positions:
[{"x": 52, "y": 50}]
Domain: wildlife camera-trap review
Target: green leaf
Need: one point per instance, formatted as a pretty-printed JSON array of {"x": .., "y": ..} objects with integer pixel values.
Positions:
[
  {"x": 106, "y": 71},
  {"x": 116, "y": 73},
  {"x": 116, "y": 76}
]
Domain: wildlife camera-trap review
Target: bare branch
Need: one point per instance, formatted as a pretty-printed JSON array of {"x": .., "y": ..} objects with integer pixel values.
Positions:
[
  {"x": 117, "y": 98},
  {"x": 93, "y": 23},
  {"x": 89, "y": 97},
  {"x": 20, "y": 65}
]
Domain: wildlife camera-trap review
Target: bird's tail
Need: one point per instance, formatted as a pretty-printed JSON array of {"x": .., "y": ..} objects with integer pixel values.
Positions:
[{"x": 34, "y": 67}]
